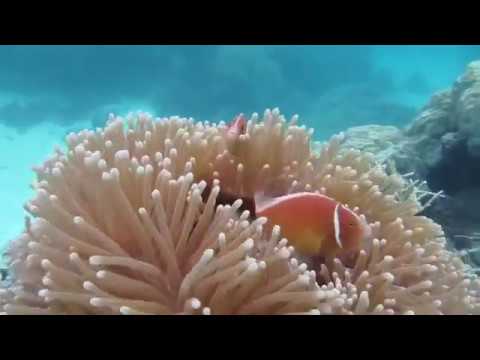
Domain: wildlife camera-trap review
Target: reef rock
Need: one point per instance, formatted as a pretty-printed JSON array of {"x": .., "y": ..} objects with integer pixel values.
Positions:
[
  {"x": 386, "y": 143},
  {"x": 447, "y": 134},
  {"x": 379, "y": 139},
  {"x": 442, "y": 146}
]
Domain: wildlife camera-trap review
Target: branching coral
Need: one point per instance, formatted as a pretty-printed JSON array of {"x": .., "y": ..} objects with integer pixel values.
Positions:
[{"x": 129, "y": 221}]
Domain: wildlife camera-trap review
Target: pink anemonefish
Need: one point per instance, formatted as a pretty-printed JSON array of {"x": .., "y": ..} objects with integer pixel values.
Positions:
[
  {"x": 237, "y": 127},
  {"x": 316, "y": 225}
]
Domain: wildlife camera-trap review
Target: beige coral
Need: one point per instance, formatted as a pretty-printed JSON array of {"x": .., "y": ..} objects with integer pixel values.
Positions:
[{"x": 126, "y": 221}]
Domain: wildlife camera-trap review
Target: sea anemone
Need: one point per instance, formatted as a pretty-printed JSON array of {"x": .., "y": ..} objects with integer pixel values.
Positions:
[{"x": 156, "y": 218}]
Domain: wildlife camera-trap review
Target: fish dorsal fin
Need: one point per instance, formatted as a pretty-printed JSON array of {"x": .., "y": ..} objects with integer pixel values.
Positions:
[{"x": 262, "y": 201}]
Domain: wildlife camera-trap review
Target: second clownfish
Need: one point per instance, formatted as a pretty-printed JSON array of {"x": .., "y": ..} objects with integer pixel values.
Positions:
[
  {"x": 237, "y": 127},
  {"x": 316, "y": 225}
]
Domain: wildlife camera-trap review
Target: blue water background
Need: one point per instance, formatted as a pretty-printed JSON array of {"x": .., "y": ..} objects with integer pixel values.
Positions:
[{"x": 57, "y": 89}]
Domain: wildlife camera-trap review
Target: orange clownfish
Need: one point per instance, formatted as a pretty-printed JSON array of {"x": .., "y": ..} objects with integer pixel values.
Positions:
[
  {"x": 237, "y": 127},
  {"x": 316, "y": 225}
]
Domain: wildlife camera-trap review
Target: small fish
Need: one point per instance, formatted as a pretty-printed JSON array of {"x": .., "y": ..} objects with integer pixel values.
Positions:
[
  {"x": 314, "y": 224},
  {"x": 237, "y": 127}
]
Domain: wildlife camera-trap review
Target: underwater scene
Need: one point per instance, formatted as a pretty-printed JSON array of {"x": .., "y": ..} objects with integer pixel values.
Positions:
[{"x": 239, "y": 180}]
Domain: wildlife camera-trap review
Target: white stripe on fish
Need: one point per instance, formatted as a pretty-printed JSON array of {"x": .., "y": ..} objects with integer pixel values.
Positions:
[{"x": 336, "y": 224}]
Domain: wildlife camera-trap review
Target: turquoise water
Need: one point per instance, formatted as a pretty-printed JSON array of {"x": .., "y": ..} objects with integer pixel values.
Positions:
[{"x": 47, "y": 91}]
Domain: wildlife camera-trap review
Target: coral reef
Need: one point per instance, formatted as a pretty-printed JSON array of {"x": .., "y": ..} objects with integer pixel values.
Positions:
[
  {"x": 447, "y": 131},
  {"x": 148, "y": 219},
  {"x": 441, "y": 146},
  {"x": 383, "y": 141}
]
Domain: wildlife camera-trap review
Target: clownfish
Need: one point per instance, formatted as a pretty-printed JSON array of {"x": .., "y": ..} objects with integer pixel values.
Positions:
[
  {"x": 237, "y": 127},
  {"x": 316, "y": 225}
]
